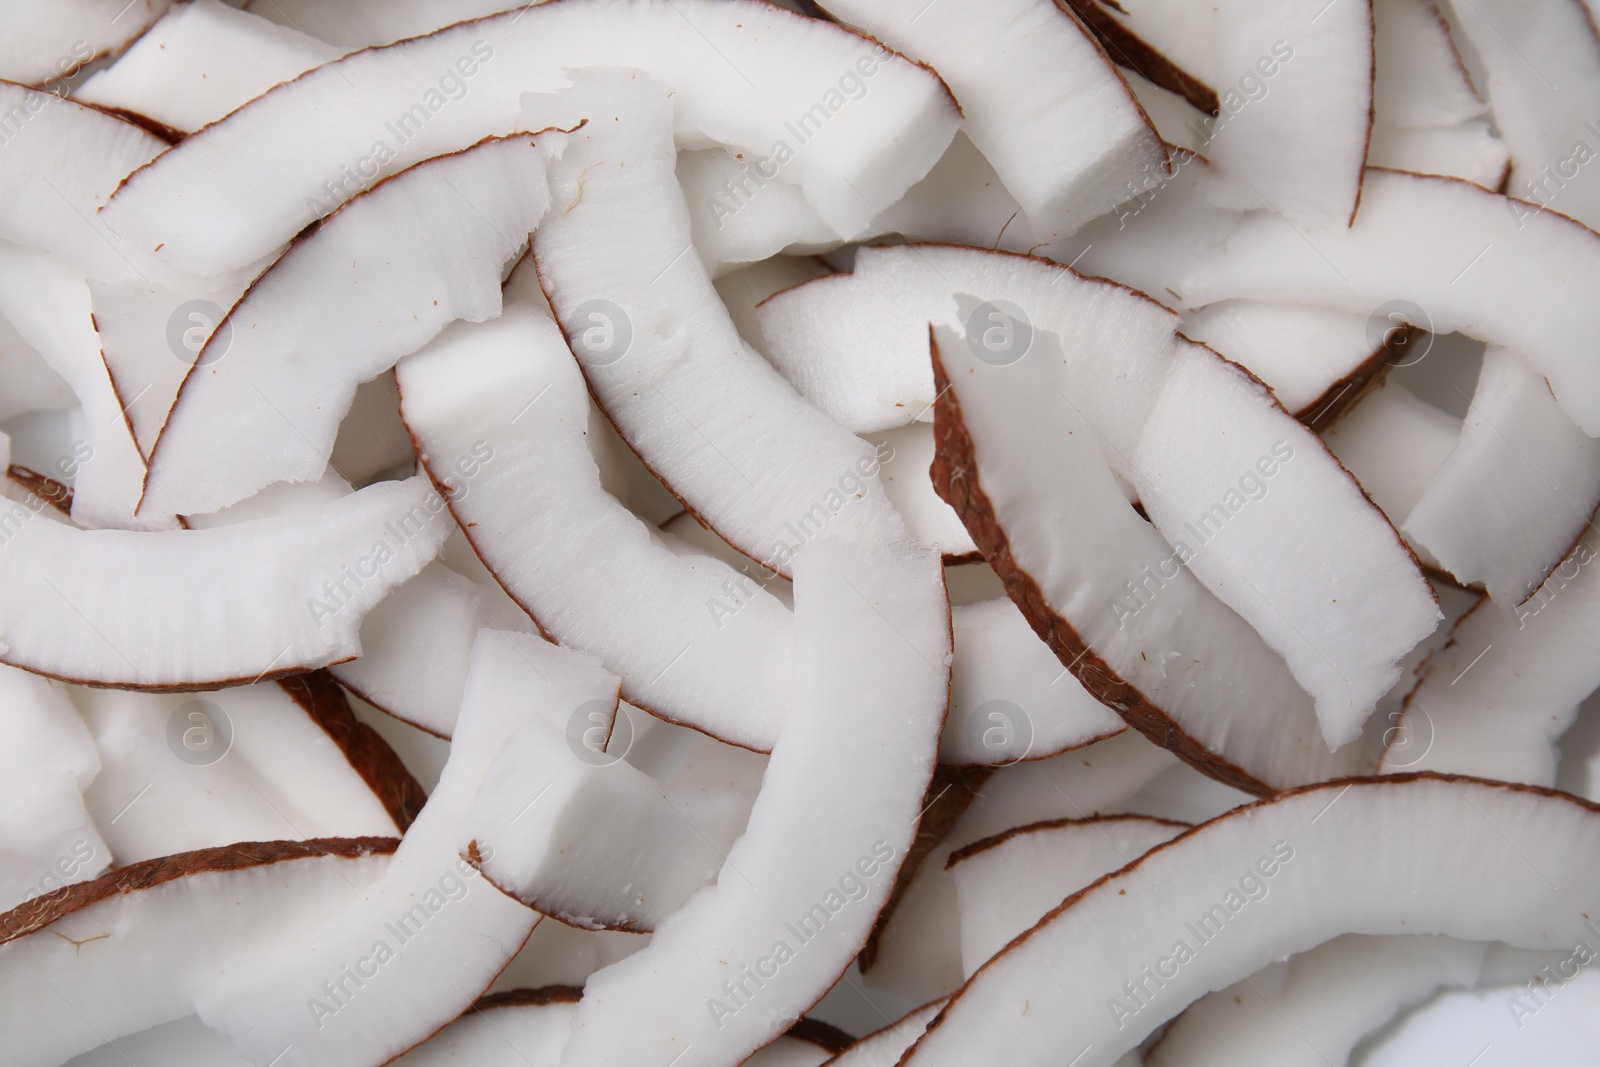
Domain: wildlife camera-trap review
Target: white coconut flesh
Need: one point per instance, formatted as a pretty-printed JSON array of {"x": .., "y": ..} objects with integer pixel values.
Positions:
[
  {"x": 743, "y": 290},
  {"x": 77, "y": 602},
  {"x": 801, "y": 889},
  {"x": 905, "y": 453},
  {"x": 1393, "y": 442},
  {"x": 47, "y": 43},
  {"x": 432, "y": 932},
  {"x": 1172, "y": 33},
  {"x": 883, "y": 1048},
  {"x": 661, "y": 354},
  {"x": 1314, "y": 1008},
  {"x": 1273, "y": 862},
  {"x": 48, "y": 838},
  {"x": 159, "y": 934},
  {"x": 581, "y": 835},
  {"x": 1516, "y": 492},
  {"x": 182, "y": 772},
  {"x": 1042, "y": 102},
  {"x": 701, "y": 49},
  {"x": 284, "y": 364},
  {"x": 27, "y": 383},
  {"x": 201, "y": 61},
  {"x": 1005, "y": 884},
  {"x": 1469, "y": 151},
  {"x": 362, "y": 23}
]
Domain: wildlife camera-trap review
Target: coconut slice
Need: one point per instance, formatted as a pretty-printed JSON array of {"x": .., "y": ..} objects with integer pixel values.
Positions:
[
  {"x": 1516, "y": 492},
  {"x": 558, "y": 954},
  {"x": 1451, "y": 248},
  {"x": 186, "y": 772},
  {"x": 1006, "y": 883},
  {"x": 1313, "y": 1009},
  {"x": 48, "y": 838},
  {"x": 361, "y": 23},
  {"x": 158, "y": 933},
  {"x": 264, "y": 401},
  {"x": 742, "y": 211},
  {"x": 1498, "y": 696},
  {"x": 1469, "y": 151},
  {"x": 661, "y": 355},
  {"x": 1317, "y": 361},
  {"x": 1393, "y": 442},
  {"x": 606, "y": 846},
  {"x": 1170, "y": 42},
  {"x": 1299, "y": 67},
  {"x": 312, "y": 576},
  {"x": 743, "y": 290},
  {"x": 1148, "y": 940},
  {"x": 371, "y": 114},
  {"x": 201, "y": 61},
  {"x": 883, "y": 1048},
  {"x": 905, "y": 455},
  {"x": 800, "y": 890},
  {"x": 44, "y": 44},
  {"x": 442, "y": 935},
  {"x": 1042, "y": 101},
  {"x": 699, "y": 643},
  {"x": 1544, "y": 111}
]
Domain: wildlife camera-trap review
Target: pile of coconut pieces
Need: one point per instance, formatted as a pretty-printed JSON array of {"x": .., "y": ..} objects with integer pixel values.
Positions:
[{"x": 689, "y": 532}]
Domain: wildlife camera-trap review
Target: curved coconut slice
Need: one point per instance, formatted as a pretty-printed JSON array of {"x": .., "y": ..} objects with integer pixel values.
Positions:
[
  {"x": 201, "y": 61},
  {"x": 1010, "y": 699},
  {"x": 1393, "y": 443},
  {"x": 1169, "y": 42},
  {"x": 1042, "y": 101},
  {"x": 695, "y": 641},
  {"x": 48, "y": 838},
  {"x": 607, "y": 846},
  {"x": 1469, "y": 151},
  {"x": 371, "y": 114},
  {"x": 1449, "y": 247},
  {"x": 1007, "y": 883},
  {"x": 1315, "y": 1008},
  {"x": 49, "y": 305},
  {"x": 1516, "y": 492},
  {"x": 184, "y": 772},
  {"x": 79, "y": 155},
  {"x": 917, "y": 952},
  {"x": 265, "y": 396},
  {"x": 158, "y": 933},
  {"x": 442, "y": 935},
  {"x": 362, "y": 23},
  {"x": 1419, "y": 79},
  {"x": 905, "y": 454},
  {"x": 1498, "y": 696},
  {"x": 1318, "y": 362},
  {"x": 44, "y": 43},
  {"x": 1436, "y": 858},
  {"x": 27, "y": 383},
  {"x": 77, "y": 602},
  {"x": 829, "y": 831},
  {"x": 883, "y": 1048},
  {"x": 1301, "y": 66},
  {"x": 661, "y": 355},
  {"x": 1545, "y": 111}
]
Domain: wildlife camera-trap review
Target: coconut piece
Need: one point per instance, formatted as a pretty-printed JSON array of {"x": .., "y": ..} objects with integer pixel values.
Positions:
[
  {"x": 1300, "y": 66},
  {"x": 1419, "y": 80},
  {"x": 571, "y": 830},
  {"x": 1544, "y": 111},
  {"x": 48, "y": 838},
  {"x": 47, "y": 43},
  {"x": 1393, "y": 443},
  {"x": 661, "y": 355},
  {"x": 744, "y": 289},
  {"x": 1517, "y": 491},
  {"x": 185, "y": 772},
  {"x": 558, "y": 954},
  {"x": 800, "y": 890},
  {"x": 905, "y": 454},
  {"x": 1148, "y": 940},
  {"x": 371, "y": 114},
  {"x": 312, "y": 575},
  {"x": 1469, "y": 151},
  {"x": 442, "y": 935},
  {"x": 742, "y": 211},
  {"x": 698, "y": 644},
  {"x": 1008, "y": 882},
  {"x": 199, "y": 62},
  {"x": 1182, "y": 794},
  {"x": 1170, "y": 42},
  {"x": 158, "y": 933},
  {"x": 1317, "y": 361},
  {"x": 1314, "y": 1008},
  {"x": 362, "y": 23},
  {"x": 883, "y": 1048},
  {"x": 1042, "y": 102},
  {"x": 265, "y": 396}
]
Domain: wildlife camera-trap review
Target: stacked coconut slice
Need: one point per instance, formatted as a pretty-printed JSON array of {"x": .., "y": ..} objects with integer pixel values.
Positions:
[{"x": 712, "y": 532}]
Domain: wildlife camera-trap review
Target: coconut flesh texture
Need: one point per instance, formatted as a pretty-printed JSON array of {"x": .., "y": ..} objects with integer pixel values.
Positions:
[{"x": 838, "y": 507}]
